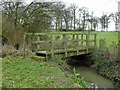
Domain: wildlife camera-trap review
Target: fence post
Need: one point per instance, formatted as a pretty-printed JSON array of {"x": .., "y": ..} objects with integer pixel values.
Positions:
[
  {"x": 24, "y": 45},
  {"x": 73, "y": 37},
  {"x": 77, "y": 46},
  {"x": 119, "y": 50},
  {"x": 87, "y": 42},
  {"x": 65, "y": 44},
  {"x": 38, "y": 39},
  {"x": 82, "y": 40},
  {"x": 95, "y": 41},
  {"x": 52, "y": 44}
]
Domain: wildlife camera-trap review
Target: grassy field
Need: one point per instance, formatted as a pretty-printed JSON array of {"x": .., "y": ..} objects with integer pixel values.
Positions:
[
  {"x": 108, "y": 36},
  {"x": 36, "y": 73},
  {"x": 28, "y": 73}
]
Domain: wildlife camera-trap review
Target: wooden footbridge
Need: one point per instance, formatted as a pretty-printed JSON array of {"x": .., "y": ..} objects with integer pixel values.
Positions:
[{"x": 65, "y": 44}]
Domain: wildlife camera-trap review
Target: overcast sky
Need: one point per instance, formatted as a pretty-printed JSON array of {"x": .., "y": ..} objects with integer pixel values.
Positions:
[{"x": 97, "y": 6}]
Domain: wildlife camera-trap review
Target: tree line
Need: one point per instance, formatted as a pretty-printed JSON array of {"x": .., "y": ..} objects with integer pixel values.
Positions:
[{"x": 19, "y": 17}]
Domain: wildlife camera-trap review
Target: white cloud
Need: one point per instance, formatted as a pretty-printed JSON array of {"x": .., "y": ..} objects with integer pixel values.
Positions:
[{"x": 98, "y": 6}]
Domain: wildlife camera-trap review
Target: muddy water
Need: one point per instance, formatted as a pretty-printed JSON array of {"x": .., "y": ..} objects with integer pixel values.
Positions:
[{"x": 91, "y": 76}]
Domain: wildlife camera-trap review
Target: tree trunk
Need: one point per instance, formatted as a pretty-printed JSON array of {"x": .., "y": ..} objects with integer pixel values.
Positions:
[
  {"x": 56, "y": 24},
  {"x": 74, "y": 19},
  {"x": 61, "y": 24},
  {"x": 66, "y": 25}
]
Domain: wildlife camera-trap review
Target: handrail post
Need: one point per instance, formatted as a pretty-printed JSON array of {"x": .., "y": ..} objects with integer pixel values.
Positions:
[
  {"x": 24, "y": 45},
  {"x": 87, "y": 42},
  {"x": 52, "y": 44},
  {"x": 95, "y": 40},
  {"x": 38, "y": 39},
  {"x": 119, "y": 50},
  {"x": 82, "y": 40},
  {"x": 77, "y": 46},
  {"x": 65, "y": 44},
  {"x": 95, "y": 46},
  {"x": 73, "y": 37}
]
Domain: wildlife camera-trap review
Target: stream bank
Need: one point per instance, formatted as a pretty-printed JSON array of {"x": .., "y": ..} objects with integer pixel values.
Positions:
[{"x": 84, "y": 67}]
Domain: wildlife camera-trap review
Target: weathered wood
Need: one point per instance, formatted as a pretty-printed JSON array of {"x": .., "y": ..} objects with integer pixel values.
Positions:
[
  {"x": 24, "y": 45},
  {"x": 61, "y": 51},
  {"x": 95, "y": 46},
  {"x": 82, "y": 39},
  {"x": 52, "y": 44},
  {"x": 87, "y": 42},
  {"x": 77, "y": 46},
  {"x": 38, "y": 45},
  {"x": 61, "y": 46},
  {"x": 119, "y": 50},
  {"x": 65, "y": 44},
  {"x": 73, "y": 36},
  {"x": 57, "y": 34},
  {"x": 95, "y": 40},
  {"x": 61, "y": 41}
]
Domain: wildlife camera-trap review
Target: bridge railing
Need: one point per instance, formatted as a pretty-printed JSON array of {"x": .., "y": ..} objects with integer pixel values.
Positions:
[{"x": 62, "y": 42}]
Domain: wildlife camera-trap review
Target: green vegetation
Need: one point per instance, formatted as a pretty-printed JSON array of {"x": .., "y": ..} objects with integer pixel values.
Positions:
[
  {"x": 29, "y": 73},
  {"x": 37, "y": 72},
  {"x": 81, "y": 82},
  {"x": 34, "y": 73},
  {"x": 108, "y": 36},
  {"x": 107, "y": 65},
  {"x": 19, "y": 18}
]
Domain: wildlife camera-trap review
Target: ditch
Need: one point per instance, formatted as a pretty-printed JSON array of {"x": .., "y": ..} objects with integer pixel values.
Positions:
[{"x": 83, "y": 69}]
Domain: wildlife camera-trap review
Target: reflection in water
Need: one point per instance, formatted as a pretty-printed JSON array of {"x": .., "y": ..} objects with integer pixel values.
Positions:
[{"x": 91, "y": 76}]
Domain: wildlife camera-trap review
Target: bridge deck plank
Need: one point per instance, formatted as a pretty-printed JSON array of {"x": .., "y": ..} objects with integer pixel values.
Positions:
[{"x": 63, "y": 51}]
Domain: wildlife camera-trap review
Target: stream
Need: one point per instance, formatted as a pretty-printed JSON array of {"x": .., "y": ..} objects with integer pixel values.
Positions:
[{"x": 91, "y": 76}]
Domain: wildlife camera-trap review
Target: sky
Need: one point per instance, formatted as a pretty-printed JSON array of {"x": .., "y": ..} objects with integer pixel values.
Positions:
[{"x": 99, "y": 7}]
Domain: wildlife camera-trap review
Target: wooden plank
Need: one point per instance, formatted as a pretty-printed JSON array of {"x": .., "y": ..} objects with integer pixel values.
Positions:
[
  {"x": 119, "y": 50},
  {"x": 87, "y": 42},
  {"x": 65, "y": 44},
  {"x": 24, "y": 45},
  {"x": 77, "y": 46},
  {"x": 61, "y": 41},
  {"x": 52, "y": 44},
  {"x": 61, "y": 51},
  {"x": 41, "y": 42},
  {"x": 38, "y": 45},
  {"x": 73, "y": 37},
  {"x": 57, "y": 34},
  {"x": 82, "y": 39},
  {"x": 95, "y": 40}
]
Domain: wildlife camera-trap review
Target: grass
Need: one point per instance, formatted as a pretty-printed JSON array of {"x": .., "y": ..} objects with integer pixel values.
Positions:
[
  {"x": 34, "y": 73},
  {"x": 28, "y": 73},
  {"x": 108, "y": 36},
  {"x": 81, "y": 81}
]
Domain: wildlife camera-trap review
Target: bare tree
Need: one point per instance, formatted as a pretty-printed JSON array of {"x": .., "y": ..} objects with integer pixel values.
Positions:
[
  {"x": 84, "y": 15},
  {"x": 116, "y": 19},
  {"x": 104, "y": 20}
]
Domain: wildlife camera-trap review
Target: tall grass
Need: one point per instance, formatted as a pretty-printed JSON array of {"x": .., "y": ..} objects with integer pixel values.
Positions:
[{"x": 81, "y": 81}]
